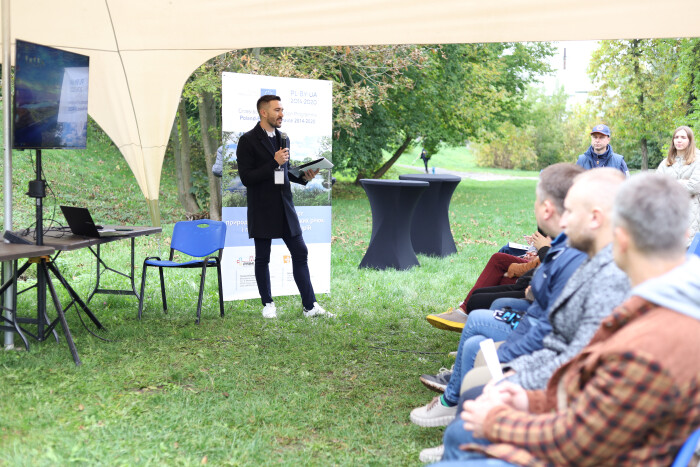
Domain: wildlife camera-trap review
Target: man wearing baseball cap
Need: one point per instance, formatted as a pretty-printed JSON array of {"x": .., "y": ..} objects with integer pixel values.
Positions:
[{"x": 600, "y": 153}]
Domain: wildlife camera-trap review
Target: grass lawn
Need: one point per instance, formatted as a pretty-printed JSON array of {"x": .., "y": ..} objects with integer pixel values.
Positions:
[
  {"x": 458, "y": 159},
  {"x": 240, "y": 390}
]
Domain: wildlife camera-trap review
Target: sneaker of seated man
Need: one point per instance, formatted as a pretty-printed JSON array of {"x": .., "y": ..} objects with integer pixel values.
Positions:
[
  {"x": 547, "y": 282},
  {"x": 439, "y": 381},
  {"x": 588, "y": 297},
  {"x": 631, "y": 396}
]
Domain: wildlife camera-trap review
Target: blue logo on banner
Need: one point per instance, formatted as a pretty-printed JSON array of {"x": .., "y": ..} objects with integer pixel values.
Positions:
[{"x": 268, "y": 92}]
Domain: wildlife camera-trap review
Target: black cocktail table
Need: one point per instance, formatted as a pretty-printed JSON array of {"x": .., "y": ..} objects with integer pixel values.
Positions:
[
  {"x": 430, "y": 229},
  {"x": 393, "y": 203}
]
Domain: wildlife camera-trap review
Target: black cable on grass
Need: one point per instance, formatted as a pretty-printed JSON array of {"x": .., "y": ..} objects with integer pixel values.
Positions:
[{"x": 77, "y": 312}]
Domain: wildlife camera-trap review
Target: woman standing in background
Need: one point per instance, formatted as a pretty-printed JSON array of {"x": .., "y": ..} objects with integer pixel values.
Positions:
[{"x": 682, "y": 164}]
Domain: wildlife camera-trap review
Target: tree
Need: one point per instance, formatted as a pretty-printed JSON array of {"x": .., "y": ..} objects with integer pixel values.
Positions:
[
  {"x": 202, "y": 91},
  {"x": 362, "y": 77},
  {"x": 635, "y": 81},
  {"x": 688, "y": 89},
  {"x": 460, "y": 91},
  {"x": 182, "y": 149}
]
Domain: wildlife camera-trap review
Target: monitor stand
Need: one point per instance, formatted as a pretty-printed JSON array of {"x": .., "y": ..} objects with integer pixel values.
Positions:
[{"x": 46, "y": 268}]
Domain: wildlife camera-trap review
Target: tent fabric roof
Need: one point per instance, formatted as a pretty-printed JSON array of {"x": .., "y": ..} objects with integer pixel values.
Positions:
[{"x": 142, "y": 52}]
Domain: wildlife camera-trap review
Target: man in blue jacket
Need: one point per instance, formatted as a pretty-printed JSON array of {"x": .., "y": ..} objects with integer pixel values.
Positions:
[
  {"x": 547, "y": 283},
  {"x": 600, "y": 153}
]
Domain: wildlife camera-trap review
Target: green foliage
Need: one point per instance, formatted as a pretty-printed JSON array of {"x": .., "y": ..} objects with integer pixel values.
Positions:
[
  {"x": 688, "y": 89},
  {"x": 637, "y": 92},
  {"x": 459, "y": 92},
  {"x": 511, "y": 148},
  {"x": 384, "y": 95},
  {"x": 233, "y": 199},
  {"x": 552, "y": 134}
]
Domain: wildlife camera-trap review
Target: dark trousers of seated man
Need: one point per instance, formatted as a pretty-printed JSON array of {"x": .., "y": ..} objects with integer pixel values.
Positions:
[
  {"x": 300, "y": 267},
  {"x": 482, "y": 298}
]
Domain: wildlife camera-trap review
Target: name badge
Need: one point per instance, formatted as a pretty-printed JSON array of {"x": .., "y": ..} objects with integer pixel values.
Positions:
[{"x": 279, "y": 177}]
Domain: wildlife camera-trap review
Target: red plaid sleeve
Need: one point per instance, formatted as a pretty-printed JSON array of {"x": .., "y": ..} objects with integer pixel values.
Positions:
[{"x": 627, "y": 394}]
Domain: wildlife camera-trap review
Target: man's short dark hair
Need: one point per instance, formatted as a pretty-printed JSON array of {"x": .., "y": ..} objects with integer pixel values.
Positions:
[
  {"x": 265, "y": 99},
  {"x": 555, "y": 182}
]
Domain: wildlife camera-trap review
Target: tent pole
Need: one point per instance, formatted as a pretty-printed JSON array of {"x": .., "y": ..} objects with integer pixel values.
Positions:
[
  {"x": 7, "y": 132},
  {"x": 154, "y": 212}
]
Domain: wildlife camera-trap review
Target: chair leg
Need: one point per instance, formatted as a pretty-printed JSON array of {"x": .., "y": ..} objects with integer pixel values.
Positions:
[
  {"x": 201, "y": 292},
  {"x": 162, "y": 290},
  {"x": 143, "y": 287},
  {"x": 221, "y": 292}
]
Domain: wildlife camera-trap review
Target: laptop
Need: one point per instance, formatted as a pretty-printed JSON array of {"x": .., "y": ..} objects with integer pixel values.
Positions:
[{"x": 81, "y": 223}]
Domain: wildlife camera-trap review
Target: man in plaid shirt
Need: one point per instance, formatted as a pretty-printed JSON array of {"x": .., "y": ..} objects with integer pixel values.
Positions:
[{"x": 632, "y": 395}]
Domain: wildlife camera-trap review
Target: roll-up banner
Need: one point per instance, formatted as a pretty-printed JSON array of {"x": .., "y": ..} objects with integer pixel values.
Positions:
[{"x": 308, "y": 122}]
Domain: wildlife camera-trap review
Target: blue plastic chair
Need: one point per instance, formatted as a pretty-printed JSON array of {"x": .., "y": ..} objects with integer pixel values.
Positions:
[
  {"x": 694, "y": 248},
  {"x": 200, "y": 239},
  {"x": 687, "y": 450}
]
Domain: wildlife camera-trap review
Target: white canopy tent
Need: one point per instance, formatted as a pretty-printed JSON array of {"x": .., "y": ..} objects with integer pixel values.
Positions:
[{"x": 142, "y": 52}]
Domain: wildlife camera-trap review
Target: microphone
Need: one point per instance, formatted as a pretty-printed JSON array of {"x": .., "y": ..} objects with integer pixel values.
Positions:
[{"x": 284, "y": 140}]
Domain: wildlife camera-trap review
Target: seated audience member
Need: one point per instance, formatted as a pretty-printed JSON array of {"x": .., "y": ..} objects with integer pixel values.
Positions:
[
  {"x": 501, "y": 277},
  {"x": 547, "y": 283},
  {"x": 632, "y": 395},
  {"x": 588, "y": 297}
]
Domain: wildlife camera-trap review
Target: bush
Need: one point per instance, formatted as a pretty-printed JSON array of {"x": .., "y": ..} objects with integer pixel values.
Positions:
[
  {"x": 553, "y": 134},
  {"x": 511, "y": 148}
]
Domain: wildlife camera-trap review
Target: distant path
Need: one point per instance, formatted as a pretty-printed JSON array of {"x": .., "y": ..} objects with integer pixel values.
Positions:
[{"x": 479, "y": 176}]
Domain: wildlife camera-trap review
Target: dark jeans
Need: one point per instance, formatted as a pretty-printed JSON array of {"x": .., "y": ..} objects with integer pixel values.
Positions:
[
  {"x": 300, "y": 268},
  {"x": 455, "y": 435},
  {"x": 482, "y": 299},
  {"x": 492, "y": 274}
]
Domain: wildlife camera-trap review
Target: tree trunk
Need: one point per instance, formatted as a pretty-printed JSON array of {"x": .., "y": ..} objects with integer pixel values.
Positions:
[
  {"x": 208, "y": 123},
  {"x": 387, "y": 165},
  {"x": 182, "y": 164},
  {"x": 636, "y": 53}
]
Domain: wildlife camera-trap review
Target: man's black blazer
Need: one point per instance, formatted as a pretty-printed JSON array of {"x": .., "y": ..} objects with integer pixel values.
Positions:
[{"x": 269, "y": 205}]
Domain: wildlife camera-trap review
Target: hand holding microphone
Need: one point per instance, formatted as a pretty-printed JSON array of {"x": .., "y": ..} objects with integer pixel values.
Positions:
[{"x": 282, "y": 156}]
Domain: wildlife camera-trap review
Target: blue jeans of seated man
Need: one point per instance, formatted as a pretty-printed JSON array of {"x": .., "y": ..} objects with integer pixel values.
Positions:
[
  {"x": 455, "y": 435},
  {"x": 517, "y": 304},
  {"x": 481, "y": 325}
]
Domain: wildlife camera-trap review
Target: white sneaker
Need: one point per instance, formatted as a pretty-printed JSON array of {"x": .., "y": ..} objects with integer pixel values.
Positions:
[
  {"x": 433, "y": 414},
  {"x": 270, "y": 311},
  {"x": 317, "y": 311},
  {"x": 430, "y": 455}
]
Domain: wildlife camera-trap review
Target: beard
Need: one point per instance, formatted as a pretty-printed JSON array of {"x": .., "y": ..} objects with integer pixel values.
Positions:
[
  {"x": 273, "y": 122},
  {"x": 584, "y": 242}
]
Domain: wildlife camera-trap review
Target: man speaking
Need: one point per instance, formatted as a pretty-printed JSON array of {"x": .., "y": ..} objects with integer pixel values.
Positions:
[{"x": 263, "y": 156}]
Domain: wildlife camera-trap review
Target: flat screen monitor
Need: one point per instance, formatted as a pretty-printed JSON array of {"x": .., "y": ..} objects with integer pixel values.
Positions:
[{"x": 51, "y": 97}]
